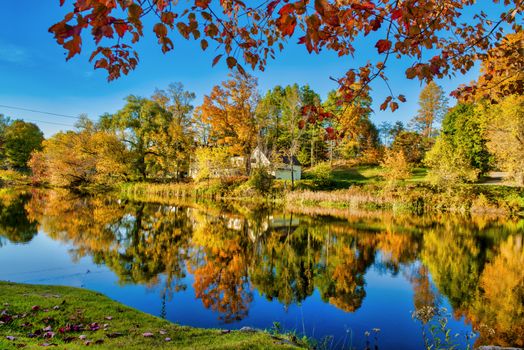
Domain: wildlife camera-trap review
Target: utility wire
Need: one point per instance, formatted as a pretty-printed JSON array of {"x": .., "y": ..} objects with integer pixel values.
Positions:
[
  {"x": 52, "y": 123},
  {"x": 37, "y": 111}
]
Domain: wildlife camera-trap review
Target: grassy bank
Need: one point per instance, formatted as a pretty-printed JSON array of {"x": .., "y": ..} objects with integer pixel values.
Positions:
[
  {"x": 238, "y": 189},
  {"x": 345, "y": 187},
  {"x": 416, "y": 198},
  {"x": 69, "y": 318}
]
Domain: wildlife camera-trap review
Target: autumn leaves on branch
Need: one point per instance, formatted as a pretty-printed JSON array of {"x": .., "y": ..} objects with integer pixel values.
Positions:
[{"x": 424, "y": 33}]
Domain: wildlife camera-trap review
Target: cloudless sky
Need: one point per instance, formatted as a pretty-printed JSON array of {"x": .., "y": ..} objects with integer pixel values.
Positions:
[{"x": 35, "y": 75}]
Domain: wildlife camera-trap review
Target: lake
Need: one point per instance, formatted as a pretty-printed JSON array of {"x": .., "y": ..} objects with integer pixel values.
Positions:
[{"x": 354, "y": 279}]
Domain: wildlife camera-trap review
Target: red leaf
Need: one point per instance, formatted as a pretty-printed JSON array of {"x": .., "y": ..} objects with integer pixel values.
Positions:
[
  {"x": 383, "y": 45},
  {"x": 393, "y": 106},
  {"x": 202, "y": 3},
  {"x": 396, "y": 14},
  {"x": 160, "y": 30},
  {"x": 216, "y": 59},
  {"x": 121, "y": 28},
  {"x": 271, "y": 6},
  {"x": 231, "y": 62}
]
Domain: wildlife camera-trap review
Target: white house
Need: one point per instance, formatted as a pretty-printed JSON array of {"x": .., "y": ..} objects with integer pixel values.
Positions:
[{"x": 282, "y": 169}]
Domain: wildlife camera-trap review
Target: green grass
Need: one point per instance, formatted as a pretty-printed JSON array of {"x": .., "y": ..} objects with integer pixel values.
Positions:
[
  {"x": 26, "y": 311},
  {"x": 344, "y": 177}
]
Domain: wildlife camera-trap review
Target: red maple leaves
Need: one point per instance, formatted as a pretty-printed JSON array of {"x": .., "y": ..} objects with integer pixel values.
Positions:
[{"x": 410, "y": 29}]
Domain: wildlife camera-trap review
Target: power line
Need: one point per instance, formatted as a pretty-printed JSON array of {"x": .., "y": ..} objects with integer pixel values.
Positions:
[
  {"x": 37, "y": 111},
  {"x": 52, "y": 123}
]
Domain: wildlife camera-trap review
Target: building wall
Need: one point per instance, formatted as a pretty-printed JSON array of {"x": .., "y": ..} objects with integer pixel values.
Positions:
[{"x": 285, "y": 174}]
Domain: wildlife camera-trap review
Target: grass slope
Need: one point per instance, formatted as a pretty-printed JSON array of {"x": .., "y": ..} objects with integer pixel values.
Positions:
[{"x": 70, "y": 318}]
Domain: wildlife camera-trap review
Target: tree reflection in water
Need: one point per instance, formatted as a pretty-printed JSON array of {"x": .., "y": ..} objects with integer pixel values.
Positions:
[{"x": 476, "y": 264}]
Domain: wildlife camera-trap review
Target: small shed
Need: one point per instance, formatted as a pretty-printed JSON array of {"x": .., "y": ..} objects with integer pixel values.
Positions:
[{"x": 284, "y": 168}]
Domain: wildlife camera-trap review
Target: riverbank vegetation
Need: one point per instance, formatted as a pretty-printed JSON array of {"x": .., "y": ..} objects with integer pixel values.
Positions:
[{"x": 33, "y": 317}]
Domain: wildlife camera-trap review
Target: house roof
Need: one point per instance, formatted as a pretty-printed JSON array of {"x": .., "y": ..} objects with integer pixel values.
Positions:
[{"x": 286, "y": 160}]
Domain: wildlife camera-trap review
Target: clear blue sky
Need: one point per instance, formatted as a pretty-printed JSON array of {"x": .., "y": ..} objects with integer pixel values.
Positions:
[{"x": 35, "y": 75}]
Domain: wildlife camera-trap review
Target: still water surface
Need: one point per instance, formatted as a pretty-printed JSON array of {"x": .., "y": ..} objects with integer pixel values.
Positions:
[{"x": 331, "y": 278}]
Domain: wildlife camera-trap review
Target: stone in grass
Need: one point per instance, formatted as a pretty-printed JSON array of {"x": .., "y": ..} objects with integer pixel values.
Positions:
[
  {"x": 148, "y": 334},
  {"x": 248, "y": 329}
]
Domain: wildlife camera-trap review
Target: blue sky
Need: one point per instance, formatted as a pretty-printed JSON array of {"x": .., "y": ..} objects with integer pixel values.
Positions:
[{"x": 35, "y": 75}]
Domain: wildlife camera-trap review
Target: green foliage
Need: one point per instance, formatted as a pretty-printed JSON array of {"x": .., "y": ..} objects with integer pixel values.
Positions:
[
  {"x": 20, "y": 139},
  {"x": 261, "y": 180},
  {"x": 412, "y": 144},
  {"x": 156, "y": 131},
  {"x": 463, "y": 130},
  {"x": 449, "y": 165},
  {"x": 321, "y": 174},
  {"x": 460, "y": 153}
]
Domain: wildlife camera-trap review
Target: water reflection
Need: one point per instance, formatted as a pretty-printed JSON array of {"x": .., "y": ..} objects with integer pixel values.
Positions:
[{"x": 475, "y": 264}]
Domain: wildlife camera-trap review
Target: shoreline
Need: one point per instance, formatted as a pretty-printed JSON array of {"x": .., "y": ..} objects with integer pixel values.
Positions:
[{"x": 33, "y": 316}]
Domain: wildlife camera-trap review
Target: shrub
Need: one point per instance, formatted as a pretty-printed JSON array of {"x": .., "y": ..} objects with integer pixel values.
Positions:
[
  {"x": 261, "y": 180},
  {"x": 396, "y": 166}
]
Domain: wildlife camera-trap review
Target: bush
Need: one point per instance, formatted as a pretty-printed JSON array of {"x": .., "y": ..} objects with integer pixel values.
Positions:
[
  {"x": 261, "y": 180},
  {"x": 396, "y": 166},
  {"x": 321, "y": 173}
]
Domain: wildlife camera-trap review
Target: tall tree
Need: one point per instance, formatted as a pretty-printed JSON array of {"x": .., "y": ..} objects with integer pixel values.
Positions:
[
  {"x": 504, "y": 131},
  {"x": 357, "y": 136},
  {"x": 460, "y": 152},
  {"x": 230, "y": 110},
  {"x": 174, "y": 139},
  {"x": 136, "y": 125},
  {"x": 20, "y": 140},
  {"x": 433, "y": 106}
]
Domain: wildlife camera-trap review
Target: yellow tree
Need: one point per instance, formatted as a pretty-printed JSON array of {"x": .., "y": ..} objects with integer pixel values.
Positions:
[
  {"x": 432, "y": 108},
  {"x": 174, "y": 138},
  {"x": 230, "y": 110},
  {"x": 504, "y": 125}
]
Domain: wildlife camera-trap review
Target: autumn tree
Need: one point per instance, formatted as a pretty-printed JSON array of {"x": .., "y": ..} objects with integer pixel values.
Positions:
[
  {"x": 81, "y": 159},
  {"x": 432, "y": 108},
  {"x": 411, "y": 144},
  {"x": 20, "y": 139},
  {"x": 174, "y": 139},
  {"x": 230, "y": 110},
  {"x": 427, "y": 35},
  {"x": 504, "y": 131},
  {"x": 396, "y": 166},
  {"x": 350, "y": 125}
]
